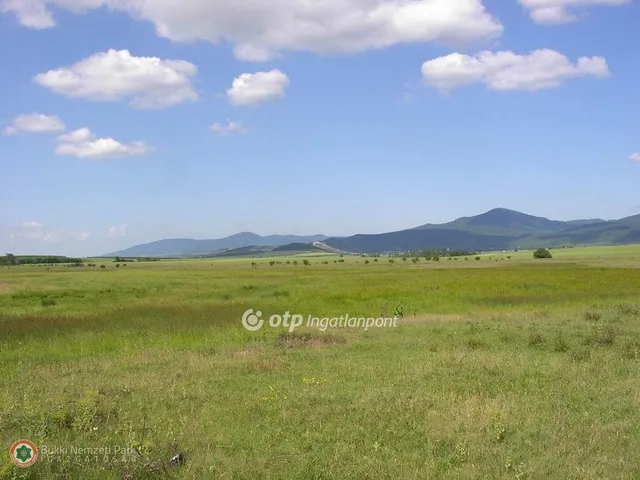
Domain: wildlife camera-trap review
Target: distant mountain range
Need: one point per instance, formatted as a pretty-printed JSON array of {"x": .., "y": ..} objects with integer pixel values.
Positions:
[
  {"x": 185, "y": 247},
  {"x": 498, "y": 229}
]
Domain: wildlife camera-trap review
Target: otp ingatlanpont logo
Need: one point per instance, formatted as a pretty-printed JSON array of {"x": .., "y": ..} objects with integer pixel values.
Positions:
[{"x": 23, "y": 453}]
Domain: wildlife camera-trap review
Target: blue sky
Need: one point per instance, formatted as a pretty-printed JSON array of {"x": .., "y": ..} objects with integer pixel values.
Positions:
[{"x": 131, "y": 121}]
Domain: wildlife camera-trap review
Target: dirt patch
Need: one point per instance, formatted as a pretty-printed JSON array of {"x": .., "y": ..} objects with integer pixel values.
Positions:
[{"x": 308, "y": 339}]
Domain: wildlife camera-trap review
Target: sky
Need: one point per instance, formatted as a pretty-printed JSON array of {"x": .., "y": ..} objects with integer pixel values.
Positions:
[{"x": 128, "y": 121}]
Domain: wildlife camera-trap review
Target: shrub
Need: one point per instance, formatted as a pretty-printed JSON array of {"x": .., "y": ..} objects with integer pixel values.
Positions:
[
  {"x": 272, "y": 263},
  {"x": 305, "y": 262},
  {"x": 478, "y": 258},
  {"x": 592, "y": 316},
  {"x": 542, "y": 253},
  {"x": 47, "y": 302},
  {"x": 536, "y": 339},
  {"x": 103, "y": 266}
]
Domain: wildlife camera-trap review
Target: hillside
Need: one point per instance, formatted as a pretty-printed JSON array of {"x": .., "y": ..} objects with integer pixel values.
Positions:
[
  {"x": 254, "y": 251},
  {"x": 183, "y": 247},
  {"x": 498, "y": 229}
]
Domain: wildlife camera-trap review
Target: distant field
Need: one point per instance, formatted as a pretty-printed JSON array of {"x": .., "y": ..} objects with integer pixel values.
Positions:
[{"x": 498, "y": 368}]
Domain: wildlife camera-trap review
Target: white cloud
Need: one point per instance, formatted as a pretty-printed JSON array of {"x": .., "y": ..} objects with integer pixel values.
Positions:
[
  {"x": 36, "y": 231},
  {"x": 635, "y": 157},
  {"x": 231, "y": 127},
  {"x": 117, "y": 232},
  {"x": 77, "y": 136},
  {"x": 509, "y": 71},
  {"x": 36, "y": 14},
  {"x": 257, "y": 88},
  {"x": 148, "y": 82},
  {"x": 555, "y": 12},
  {"x": 82, "y": 143},
  {"x": 31, "y": 225},
  {"x": 35, "y": 123},
  {"x": 260, "y": 29}
]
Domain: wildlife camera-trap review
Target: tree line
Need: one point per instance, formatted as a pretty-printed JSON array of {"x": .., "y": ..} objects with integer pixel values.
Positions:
[{"x": 11, "y": 259}]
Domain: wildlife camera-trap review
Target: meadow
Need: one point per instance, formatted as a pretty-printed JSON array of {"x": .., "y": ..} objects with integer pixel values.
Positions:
[{"x": 499, "y": 368}]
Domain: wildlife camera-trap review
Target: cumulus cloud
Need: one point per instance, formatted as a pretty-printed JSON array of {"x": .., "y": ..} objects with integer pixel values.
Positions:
[
  {"x": 36, "y": 231},
  {"x": 258, "y": 88},
  {"x": 77, "y": 136},
  {"x": 635, "y": 157},
  {"x": 555, "y": 12},
  {"x": 228, "y": 129},
  {"x": 82, "y": 143},
  {"x": 36, "y": 13},
  {"x": 116, "y": 75},
  {"x": 35, "y": 123},
  {"x": 117, "y": 232},
  {"x": 259, "y": 30},
  {"x": 509, "y": 71}
]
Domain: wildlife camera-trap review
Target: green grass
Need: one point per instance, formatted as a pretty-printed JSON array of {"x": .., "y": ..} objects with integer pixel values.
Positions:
[{"x": 514, "y": 369}]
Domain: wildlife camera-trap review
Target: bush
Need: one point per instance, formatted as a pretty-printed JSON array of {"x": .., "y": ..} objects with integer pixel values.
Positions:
[
  {"x": 103, "y": 266},
  {"x": 542, "y": 253},
  {"x": 47, "y": 302},
  {"x": 305, "y": 261},
  {"x": 478, "y": 258}
]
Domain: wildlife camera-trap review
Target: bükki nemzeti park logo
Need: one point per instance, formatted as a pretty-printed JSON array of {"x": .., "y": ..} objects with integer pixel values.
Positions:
[{"x": 23, "y": 453}]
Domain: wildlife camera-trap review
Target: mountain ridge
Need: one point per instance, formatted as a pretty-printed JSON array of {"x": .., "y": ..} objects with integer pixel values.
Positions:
[{"x": 496, "y": 229}]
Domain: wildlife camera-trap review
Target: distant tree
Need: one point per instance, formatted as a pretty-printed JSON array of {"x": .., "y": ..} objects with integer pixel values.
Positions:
[
  {"x": 366, "y": 262},
  {"x": 103, "y": 266},
  {"x": 415, "y": 259},
  {"x": 375, "y": 259},
  {"x": 306, "y": 262},
  {"x": 478, "y": 258},
  {"x": 508, "y": 257},
  {"x": 391, "y": 260},
  {"x": 117, "y": 265},
  {"x": 542, "y": 253},
  {"x": 436, "y": 259},
  {"x": 295, "y": 262},
  {"x": 272, "y": 263}
]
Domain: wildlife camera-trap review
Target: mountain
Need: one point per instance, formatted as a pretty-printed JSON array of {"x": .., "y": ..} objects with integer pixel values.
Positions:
[
  {"x": 501, "y": 221},
  {"x": 184, "y": 247},
  {"x": 497, "y": 229},
  {"x": 253, "y": 251}
]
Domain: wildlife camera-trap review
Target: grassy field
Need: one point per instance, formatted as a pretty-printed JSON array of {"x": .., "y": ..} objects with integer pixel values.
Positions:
[{"x": 498, "y": 368}]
